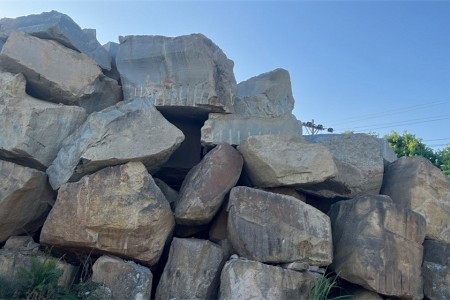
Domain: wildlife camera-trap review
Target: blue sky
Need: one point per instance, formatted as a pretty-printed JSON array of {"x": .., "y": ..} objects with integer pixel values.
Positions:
[{"x": 355, "y": 65}]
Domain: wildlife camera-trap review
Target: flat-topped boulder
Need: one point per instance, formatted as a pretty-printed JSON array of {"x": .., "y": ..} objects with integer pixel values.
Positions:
[
  {"x": 129, "y": 131},
  {"x": 246, "y": 279},
  {"x": 192, "y": 270},
  {"x": 265, "y": 95},
  {"x": 25, "y": 198},
  {"x": 277, "y": 160},
  {"x": 415, "y": 183},
  {"x": 186, "y": 75},
  {"x": 233, "y": 129},
  {"x": 378, "y": 245},
  {"x": 274, "y": 228},
  {"x": 32, "y": 130},
  {"x": 117, "y": 210},
  {"x": 360, "y": 165},
  {"x": 125, "y": 279},
  {"x": 58, "y": 74},
  {"x": 59, "y": 27}
]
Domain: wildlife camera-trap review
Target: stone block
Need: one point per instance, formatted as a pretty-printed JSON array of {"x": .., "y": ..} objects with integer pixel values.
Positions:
[{"x": 117, "y": 210}]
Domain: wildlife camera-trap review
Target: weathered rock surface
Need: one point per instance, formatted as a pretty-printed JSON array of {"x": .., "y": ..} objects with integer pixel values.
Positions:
[
  {"x": 192, "y": 271},
  {"x": 273, "y": 228},
  {"x": 182, "y": 75},
  {"x": 415, "y": 183},
  {"x": 58, "y": 74},
  {"x": 118, "y": 210},
  {"x": 125, "y": 279},
  {"x": 129, "y": 131},
  {"x": 61, "y": 28},
  {"x": 245, "y": 279},
  {"x": 13, "y": 260},
  {"x": 436, "y": 270},
  {"x": 206, "y": 185},
  {"x": 265, "y": 95},
  {"x": 359, "y": 163},
  {"x": 276, "y": 160},
  {"x": 32, "y": 130},
  {"x": 233, "y": 129},
  {"x": 378, "y": 245},
  {"x": 24, "y": 199},
  {"x": 24, "y": 243}
]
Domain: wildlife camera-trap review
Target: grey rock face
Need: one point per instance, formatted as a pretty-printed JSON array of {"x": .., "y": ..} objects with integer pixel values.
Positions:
[
  {"x": 378, "y": 245},
  {"x": 112, "y": 48},
  {"x": 192, "y": 271},
  {"x": 274, "y": 160},
  {"x": 118, "y": 210},
  {"x": 436, "y": 270},
  {"x": 32, "y": 130},
  {"x": 415, "y": 183},
  {"x": 58, "y": 74},
  {"x": 125, "y": 279},
  {"x": 176, "y": 73},
  {"x": 206, "y": 185},
  {"x": 61, "y": 28},
  {"x": 233, "y": 129},
  {"x": 359, "y": 163},
  {"x": 13, "y": 260},
  {"x": 24, "y": 199},
  {"x": 245, "y": 279},
  {"x": 274, "y": 228},
  {"x": 129, "y": 131},
  {"x": 265, "y": 95}
]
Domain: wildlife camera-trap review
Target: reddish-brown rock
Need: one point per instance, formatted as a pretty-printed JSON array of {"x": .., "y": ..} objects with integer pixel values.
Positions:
[{"x": 206, "y": 185}]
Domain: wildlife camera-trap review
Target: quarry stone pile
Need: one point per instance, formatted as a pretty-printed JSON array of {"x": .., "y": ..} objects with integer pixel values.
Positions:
[{"x": 179, "y": 182}]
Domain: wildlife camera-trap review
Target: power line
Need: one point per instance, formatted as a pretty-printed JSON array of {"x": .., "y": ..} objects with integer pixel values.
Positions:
[
  {"x": 399, "y": 123},
  {"x": 444, "y": 139},
  {"x": 388, "y": 112}
]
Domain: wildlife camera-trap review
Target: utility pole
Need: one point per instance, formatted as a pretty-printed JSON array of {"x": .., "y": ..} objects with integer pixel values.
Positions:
[{"x": 312, "y": 128}]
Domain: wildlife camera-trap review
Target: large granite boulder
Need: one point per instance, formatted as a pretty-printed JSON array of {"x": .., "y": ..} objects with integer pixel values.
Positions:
[
  {"x": 360, "y": 165},
  {"x": 265, "y": 95},
  {"x": 125, "y": 279},
  {"x": 185, "y": 75},
  {"x": 276, "y": 160},
  {"x": 24, "y": 199},
  {"x": 192, "y": 271},
  {"x": 206, "y": 185},
  {"x": 58, "y": 74},
  {"x": 59, "y": 27},
  {"x": 246, "y": 279},
  {"x": 233, "y": 129},
  {"x": 129, "y": 131},
  {"x": 436, "y": 270},
  {"x": 378, "y": 245},
  {"x": 415, "y": 183},
  {"x": 32, "y": 130},
  {"x": 117, "y": 210},
  {"x": 274, "y": 228}
]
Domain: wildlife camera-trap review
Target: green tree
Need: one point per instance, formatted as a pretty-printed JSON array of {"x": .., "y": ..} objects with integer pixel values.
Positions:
[
  {"x": 408, "y": 144},
  {"x": 444, "y": 159}
]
